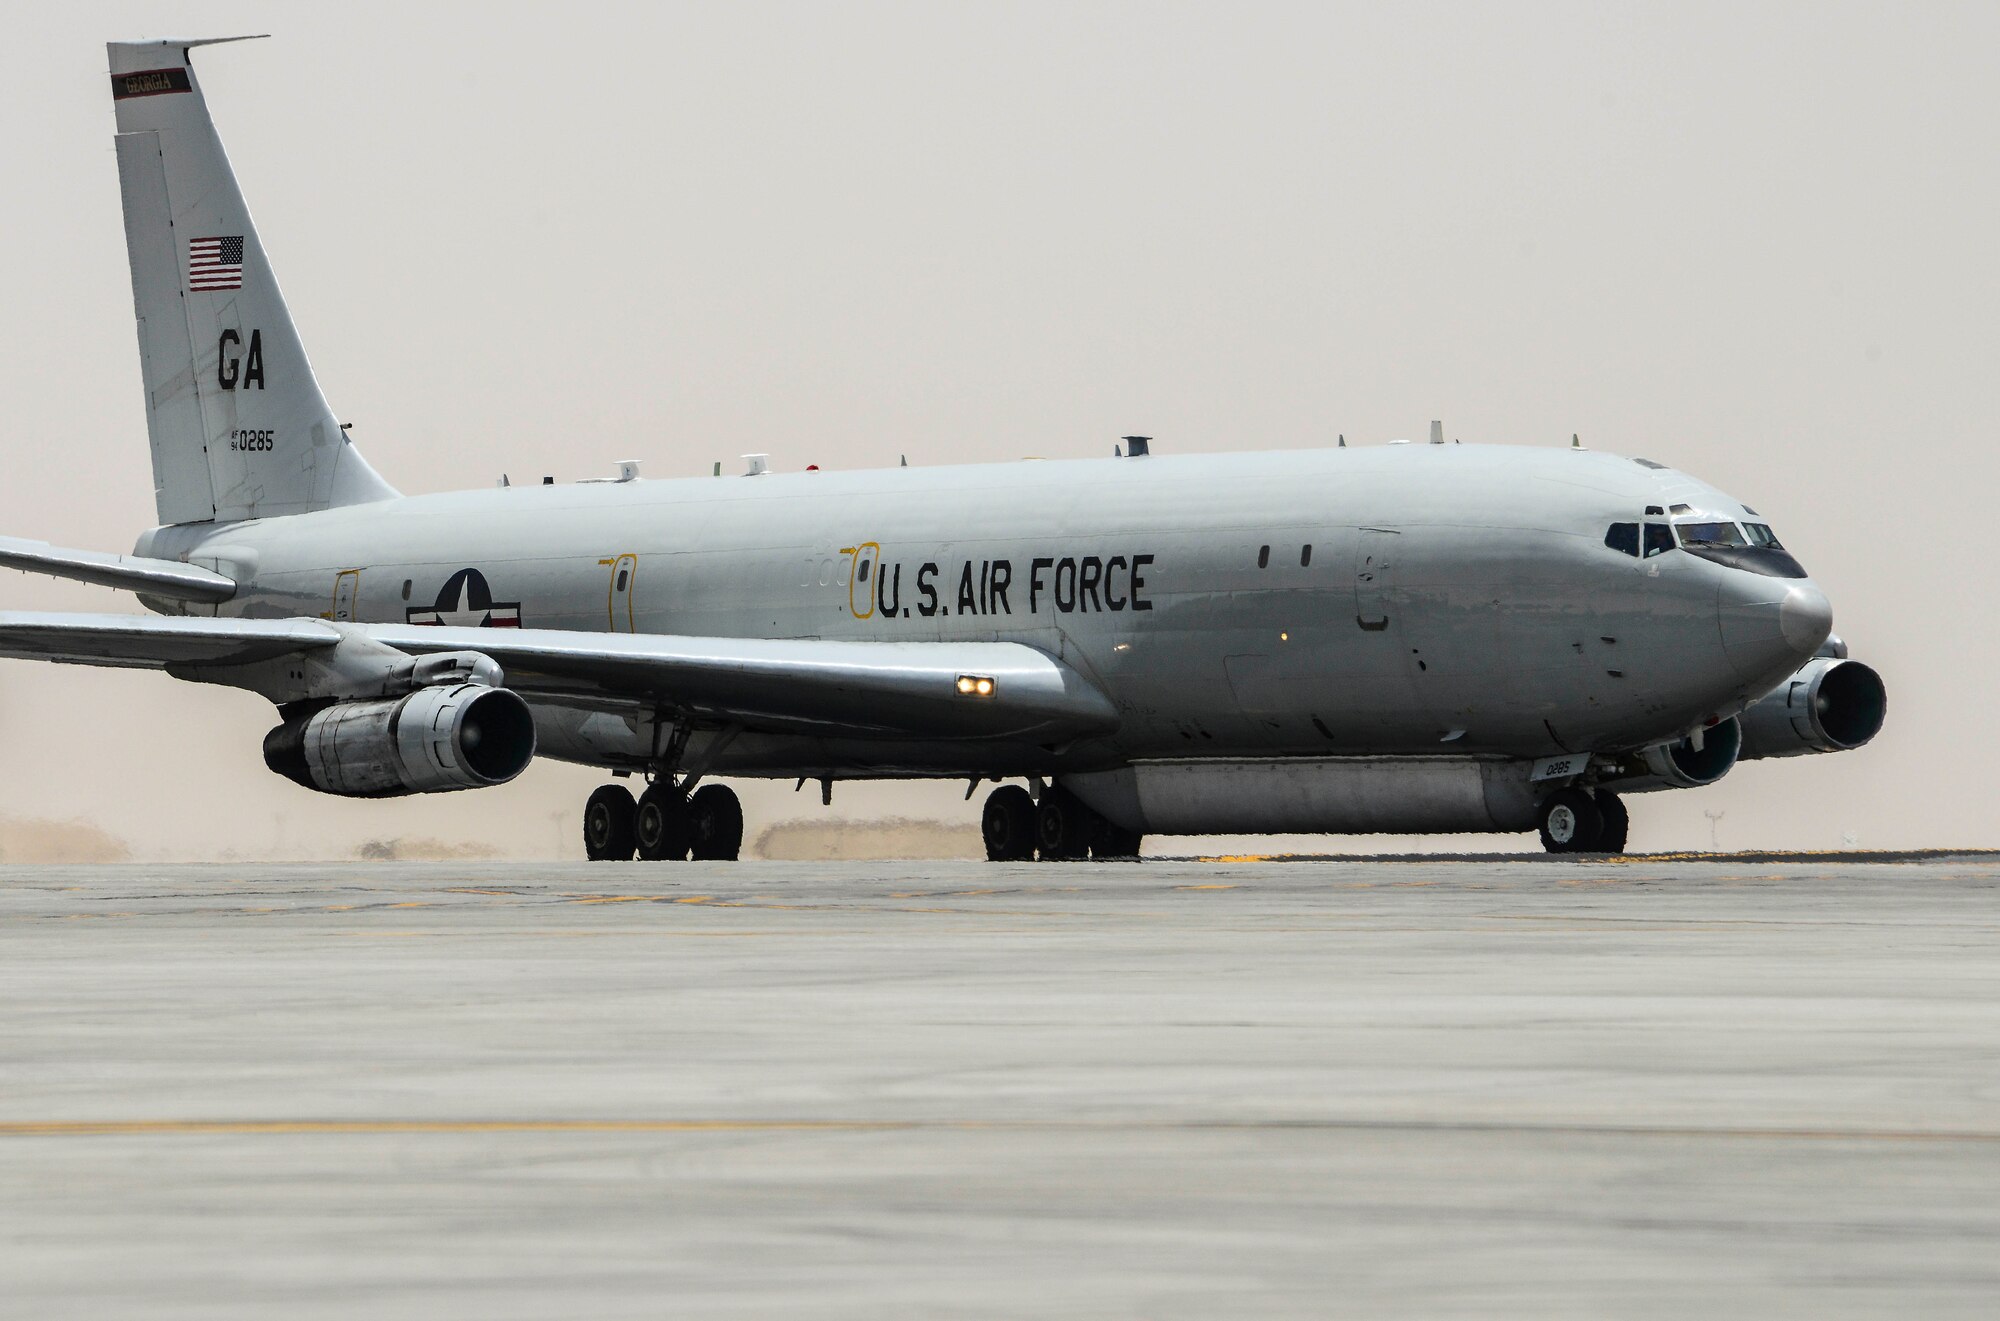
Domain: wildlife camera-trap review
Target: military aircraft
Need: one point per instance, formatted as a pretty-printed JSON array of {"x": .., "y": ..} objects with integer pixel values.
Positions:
[{"x": 1392, "y": 638}]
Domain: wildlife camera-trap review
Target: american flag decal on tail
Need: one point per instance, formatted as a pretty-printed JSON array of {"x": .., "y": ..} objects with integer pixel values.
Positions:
[{"x": 215, "y": 263}]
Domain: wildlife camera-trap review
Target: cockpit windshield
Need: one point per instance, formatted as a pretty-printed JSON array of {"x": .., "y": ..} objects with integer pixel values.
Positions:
[
  {"x": 1710, "y": 534},
  {"x": 1752, "y": 546}
]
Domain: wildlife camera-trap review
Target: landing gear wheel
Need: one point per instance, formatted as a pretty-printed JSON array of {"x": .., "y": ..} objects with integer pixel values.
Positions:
[
  {"x": 715, "y": 824},
  {"x": 1062, "y": 826},
  {"x": 1617, "y": 822},
  {"x": 1571, "y": 822},
  {"x": 607, "y": 825},
  {"x": 662, "y": 826},
  {"x": 1008, "y": 823},
  {"x": 1116, "y": 842}
]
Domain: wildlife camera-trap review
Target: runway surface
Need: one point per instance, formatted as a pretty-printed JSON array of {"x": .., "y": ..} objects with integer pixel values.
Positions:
[{"x": 1601, "y": 1088}]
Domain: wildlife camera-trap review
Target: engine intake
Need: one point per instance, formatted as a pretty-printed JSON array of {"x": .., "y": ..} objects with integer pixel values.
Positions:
[
  {"x": 1682, "y": 765},
  {"x": 1685, "y": 766},
  {"x": 453, "y": 736},
  {"x": 1830, "y": 705}
]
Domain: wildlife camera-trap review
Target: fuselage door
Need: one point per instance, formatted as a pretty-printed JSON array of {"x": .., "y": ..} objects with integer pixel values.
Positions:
[
  {"x": 1374, "y": 555},
  {"x": 861, "y": 585},
  {"x": 346, "y": 588},
  {"x": 619, "y": 617}
]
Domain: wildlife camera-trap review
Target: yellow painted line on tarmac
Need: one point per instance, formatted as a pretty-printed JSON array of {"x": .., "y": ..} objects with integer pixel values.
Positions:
[
  {"x": 1208, "y": 887},
  {"x": 615, "y": 899}
]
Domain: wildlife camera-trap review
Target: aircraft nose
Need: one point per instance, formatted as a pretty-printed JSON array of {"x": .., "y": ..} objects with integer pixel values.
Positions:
[{"x": 1771, "y": 626}]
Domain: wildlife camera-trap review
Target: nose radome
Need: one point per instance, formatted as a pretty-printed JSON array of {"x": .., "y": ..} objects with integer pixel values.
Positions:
[{"x": 1771, "y": 626}]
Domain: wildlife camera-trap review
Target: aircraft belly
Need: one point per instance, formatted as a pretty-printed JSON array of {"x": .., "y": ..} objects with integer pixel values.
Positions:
[{"x": 1349, "y": 795}]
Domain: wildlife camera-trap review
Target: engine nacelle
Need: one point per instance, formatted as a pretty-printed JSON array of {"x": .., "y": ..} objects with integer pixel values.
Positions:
[
  {"x": 1688, "y": 764},
  {"x": 1830, "y": 705},
  {"x": 451, "y": 736}
]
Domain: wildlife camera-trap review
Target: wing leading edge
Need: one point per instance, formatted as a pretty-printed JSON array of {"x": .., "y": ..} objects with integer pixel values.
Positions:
[{"x": 886, "y": 688}]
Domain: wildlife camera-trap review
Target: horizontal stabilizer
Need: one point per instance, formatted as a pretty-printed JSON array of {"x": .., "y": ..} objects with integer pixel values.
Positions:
[
  {"x": 152, "y": 642},
  {"x": 132, "y": 573}
]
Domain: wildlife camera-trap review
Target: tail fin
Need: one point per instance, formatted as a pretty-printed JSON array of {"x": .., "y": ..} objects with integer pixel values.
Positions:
[{"x": 238, "y": 426}]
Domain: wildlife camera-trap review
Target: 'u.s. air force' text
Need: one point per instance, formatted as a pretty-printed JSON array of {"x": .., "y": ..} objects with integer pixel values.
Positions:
[{"x": 1067, "y": 584}]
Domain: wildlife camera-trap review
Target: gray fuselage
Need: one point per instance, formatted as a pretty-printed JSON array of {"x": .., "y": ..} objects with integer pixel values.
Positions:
[{"x": 1394, "y": 600}]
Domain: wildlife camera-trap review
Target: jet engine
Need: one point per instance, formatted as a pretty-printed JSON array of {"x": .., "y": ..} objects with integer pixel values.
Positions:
[
  {"x": 1689, "y": 764},
  {"x": 448, "y": 736},
  {"x": 1832, "y": 704}
]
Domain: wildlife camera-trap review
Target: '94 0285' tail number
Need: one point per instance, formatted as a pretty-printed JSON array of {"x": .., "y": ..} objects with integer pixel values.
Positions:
[{"x": 252, "y": 442}]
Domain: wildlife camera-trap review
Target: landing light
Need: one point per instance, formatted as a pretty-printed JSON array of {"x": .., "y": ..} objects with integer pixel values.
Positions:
[{"x": 975, "y": 685}]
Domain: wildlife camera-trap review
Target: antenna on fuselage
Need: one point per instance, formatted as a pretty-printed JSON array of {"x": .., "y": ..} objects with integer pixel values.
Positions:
[
  {"x": 1574, "y": 443},
  {"x": 1343, "y": 440},
  {"x": 1437, "y": 433}
]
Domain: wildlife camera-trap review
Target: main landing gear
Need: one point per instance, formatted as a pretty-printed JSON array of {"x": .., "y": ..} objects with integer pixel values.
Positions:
[
  {"x": 1577, "y": 820},
  {"x": 666, "y": 824},
  {"x": 1061, "y": 828}
]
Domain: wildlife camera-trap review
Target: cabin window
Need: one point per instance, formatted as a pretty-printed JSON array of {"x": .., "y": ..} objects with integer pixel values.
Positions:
[
  {"x": 1659, "y": 539},
  {"x": 1305, "y": 556},
  {"x": 1263, "y": 557},
  {"x": 406, "y": 589},
  {"x": 1624, "y": 538}
]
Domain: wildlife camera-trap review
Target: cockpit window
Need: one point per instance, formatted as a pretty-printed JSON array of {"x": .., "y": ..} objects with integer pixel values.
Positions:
[
  {"x": 1710, "y": 534},
  {"x": 1624, "y": 538},
  {"x": 1728, "y": 544},
  {"x": 1659, "y": 539}
]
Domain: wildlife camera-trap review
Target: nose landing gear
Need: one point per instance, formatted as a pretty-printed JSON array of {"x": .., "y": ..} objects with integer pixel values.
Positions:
[{"x": 1576, "y": 820}]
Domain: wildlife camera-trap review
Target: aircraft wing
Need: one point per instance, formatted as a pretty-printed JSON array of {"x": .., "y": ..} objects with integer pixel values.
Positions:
[
  {"x": 178, "y": 582},
  {"x": 887, "y": 688}
]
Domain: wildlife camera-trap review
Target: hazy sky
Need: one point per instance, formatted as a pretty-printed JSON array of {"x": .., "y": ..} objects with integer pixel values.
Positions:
[{"x": 1754, "y": 242}]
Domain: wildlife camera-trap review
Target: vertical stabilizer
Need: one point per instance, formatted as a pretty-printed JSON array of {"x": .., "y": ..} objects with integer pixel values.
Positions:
[{"x": 238, "y": 426}]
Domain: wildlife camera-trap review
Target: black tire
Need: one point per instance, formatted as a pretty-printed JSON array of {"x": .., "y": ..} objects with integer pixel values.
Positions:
[
  {"x": 1571, "y": 822},
  {"x": 608, "y": 833},
  {"x": 715, "y": 824},
  {"x": 1116, "y": 842},
  {"x": 1617, "y": 822},
  {"x": 1008, "y": 823},
  {"x": 661, "y": 826},
  {"x": 1063, "y": 826}
]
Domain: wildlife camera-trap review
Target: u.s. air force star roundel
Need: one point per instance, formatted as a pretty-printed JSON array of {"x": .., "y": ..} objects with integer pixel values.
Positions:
[{"x": 465, "y": 601}]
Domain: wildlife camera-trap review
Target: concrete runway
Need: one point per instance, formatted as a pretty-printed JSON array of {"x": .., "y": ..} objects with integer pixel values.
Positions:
[{"x": 1424, "y": 1088}]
